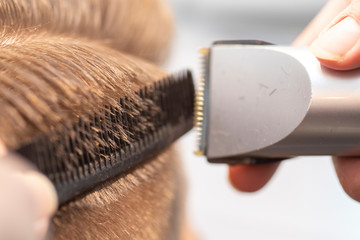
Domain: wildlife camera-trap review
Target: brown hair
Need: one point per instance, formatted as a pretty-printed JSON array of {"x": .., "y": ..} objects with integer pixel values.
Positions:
[
  {"x": 143, "y": 204},
  {"x": 63, "y": 58},
  {"x": 141, "y": 28}
]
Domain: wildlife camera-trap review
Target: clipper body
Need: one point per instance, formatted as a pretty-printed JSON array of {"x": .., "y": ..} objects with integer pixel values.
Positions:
[{"x": 263, "y": 103}]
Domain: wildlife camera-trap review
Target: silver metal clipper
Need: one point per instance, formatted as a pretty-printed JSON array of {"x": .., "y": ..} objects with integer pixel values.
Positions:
[{"x": 259, "y": 103}]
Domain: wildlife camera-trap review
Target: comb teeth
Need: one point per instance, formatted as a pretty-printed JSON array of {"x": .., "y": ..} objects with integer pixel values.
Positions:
[
  {"x": 91, "y": 149},
  {"x": 200, "y": 104}
]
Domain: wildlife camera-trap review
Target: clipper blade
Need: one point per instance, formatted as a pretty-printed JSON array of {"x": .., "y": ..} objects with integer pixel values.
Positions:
[{"x": 200, "y": 103}]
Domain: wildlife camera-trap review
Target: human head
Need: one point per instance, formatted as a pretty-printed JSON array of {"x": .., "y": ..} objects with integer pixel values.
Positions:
[{"x": 63, "y": 58}]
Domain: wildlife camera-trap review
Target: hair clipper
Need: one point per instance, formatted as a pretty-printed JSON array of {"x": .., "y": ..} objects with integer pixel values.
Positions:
[{"x": 259, "y": 103}]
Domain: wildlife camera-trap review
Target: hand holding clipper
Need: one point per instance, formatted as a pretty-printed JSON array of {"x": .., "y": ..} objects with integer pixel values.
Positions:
[{"x": 334, "y": 35}]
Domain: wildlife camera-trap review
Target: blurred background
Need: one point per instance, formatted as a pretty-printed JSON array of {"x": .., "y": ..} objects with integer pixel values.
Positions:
[{"x": 304, "y": 200}]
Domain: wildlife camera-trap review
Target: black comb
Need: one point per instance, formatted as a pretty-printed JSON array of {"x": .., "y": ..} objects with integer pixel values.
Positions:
[{"x": 63, "y": 155}]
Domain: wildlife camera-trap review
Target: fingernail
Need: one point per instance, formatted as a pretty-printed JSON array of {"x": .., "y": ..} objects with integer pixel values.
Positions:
[
  {"x": 3, "y": 150},
  {"x": 334, "y": 43}
]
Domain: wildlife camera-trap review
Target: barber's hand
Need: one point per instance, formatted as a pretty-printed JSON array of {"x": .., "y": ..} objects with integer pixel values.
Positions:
[
  {"x": 27, "y": 202},
  {"x": 334, "y": 38}
]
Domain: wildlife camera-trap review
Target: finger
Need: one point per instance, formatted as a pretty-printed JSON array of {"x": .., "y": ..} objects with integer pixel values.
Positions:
[
  {"x": 338, "y": 46},
  {"x": 348, "y": 172},
  {"x": 250, "y": 178},
  {"x": 322, "y": 19},
  {"x": 28, "y": 199}
]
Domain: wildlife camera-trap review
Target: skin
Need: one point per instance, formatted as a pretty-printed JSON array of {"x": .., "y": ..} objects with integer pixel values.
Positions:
[
  {"x": 334, "y": 38},
  {"x": 29, "y": 199},
  {"x": 244, "y": 178}
]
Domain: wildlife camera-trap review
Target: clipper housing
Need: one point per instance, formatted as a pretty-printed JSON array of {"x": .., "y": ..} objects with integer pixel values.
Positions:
[{"x": 260, "y": 103}]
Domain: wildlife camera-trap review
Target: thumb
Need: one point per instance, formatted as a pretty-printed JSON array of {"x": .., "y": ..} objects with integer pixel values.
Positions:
[
  {"x": 338, "y": 46},
  {"x": 28, "y": 199}
]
